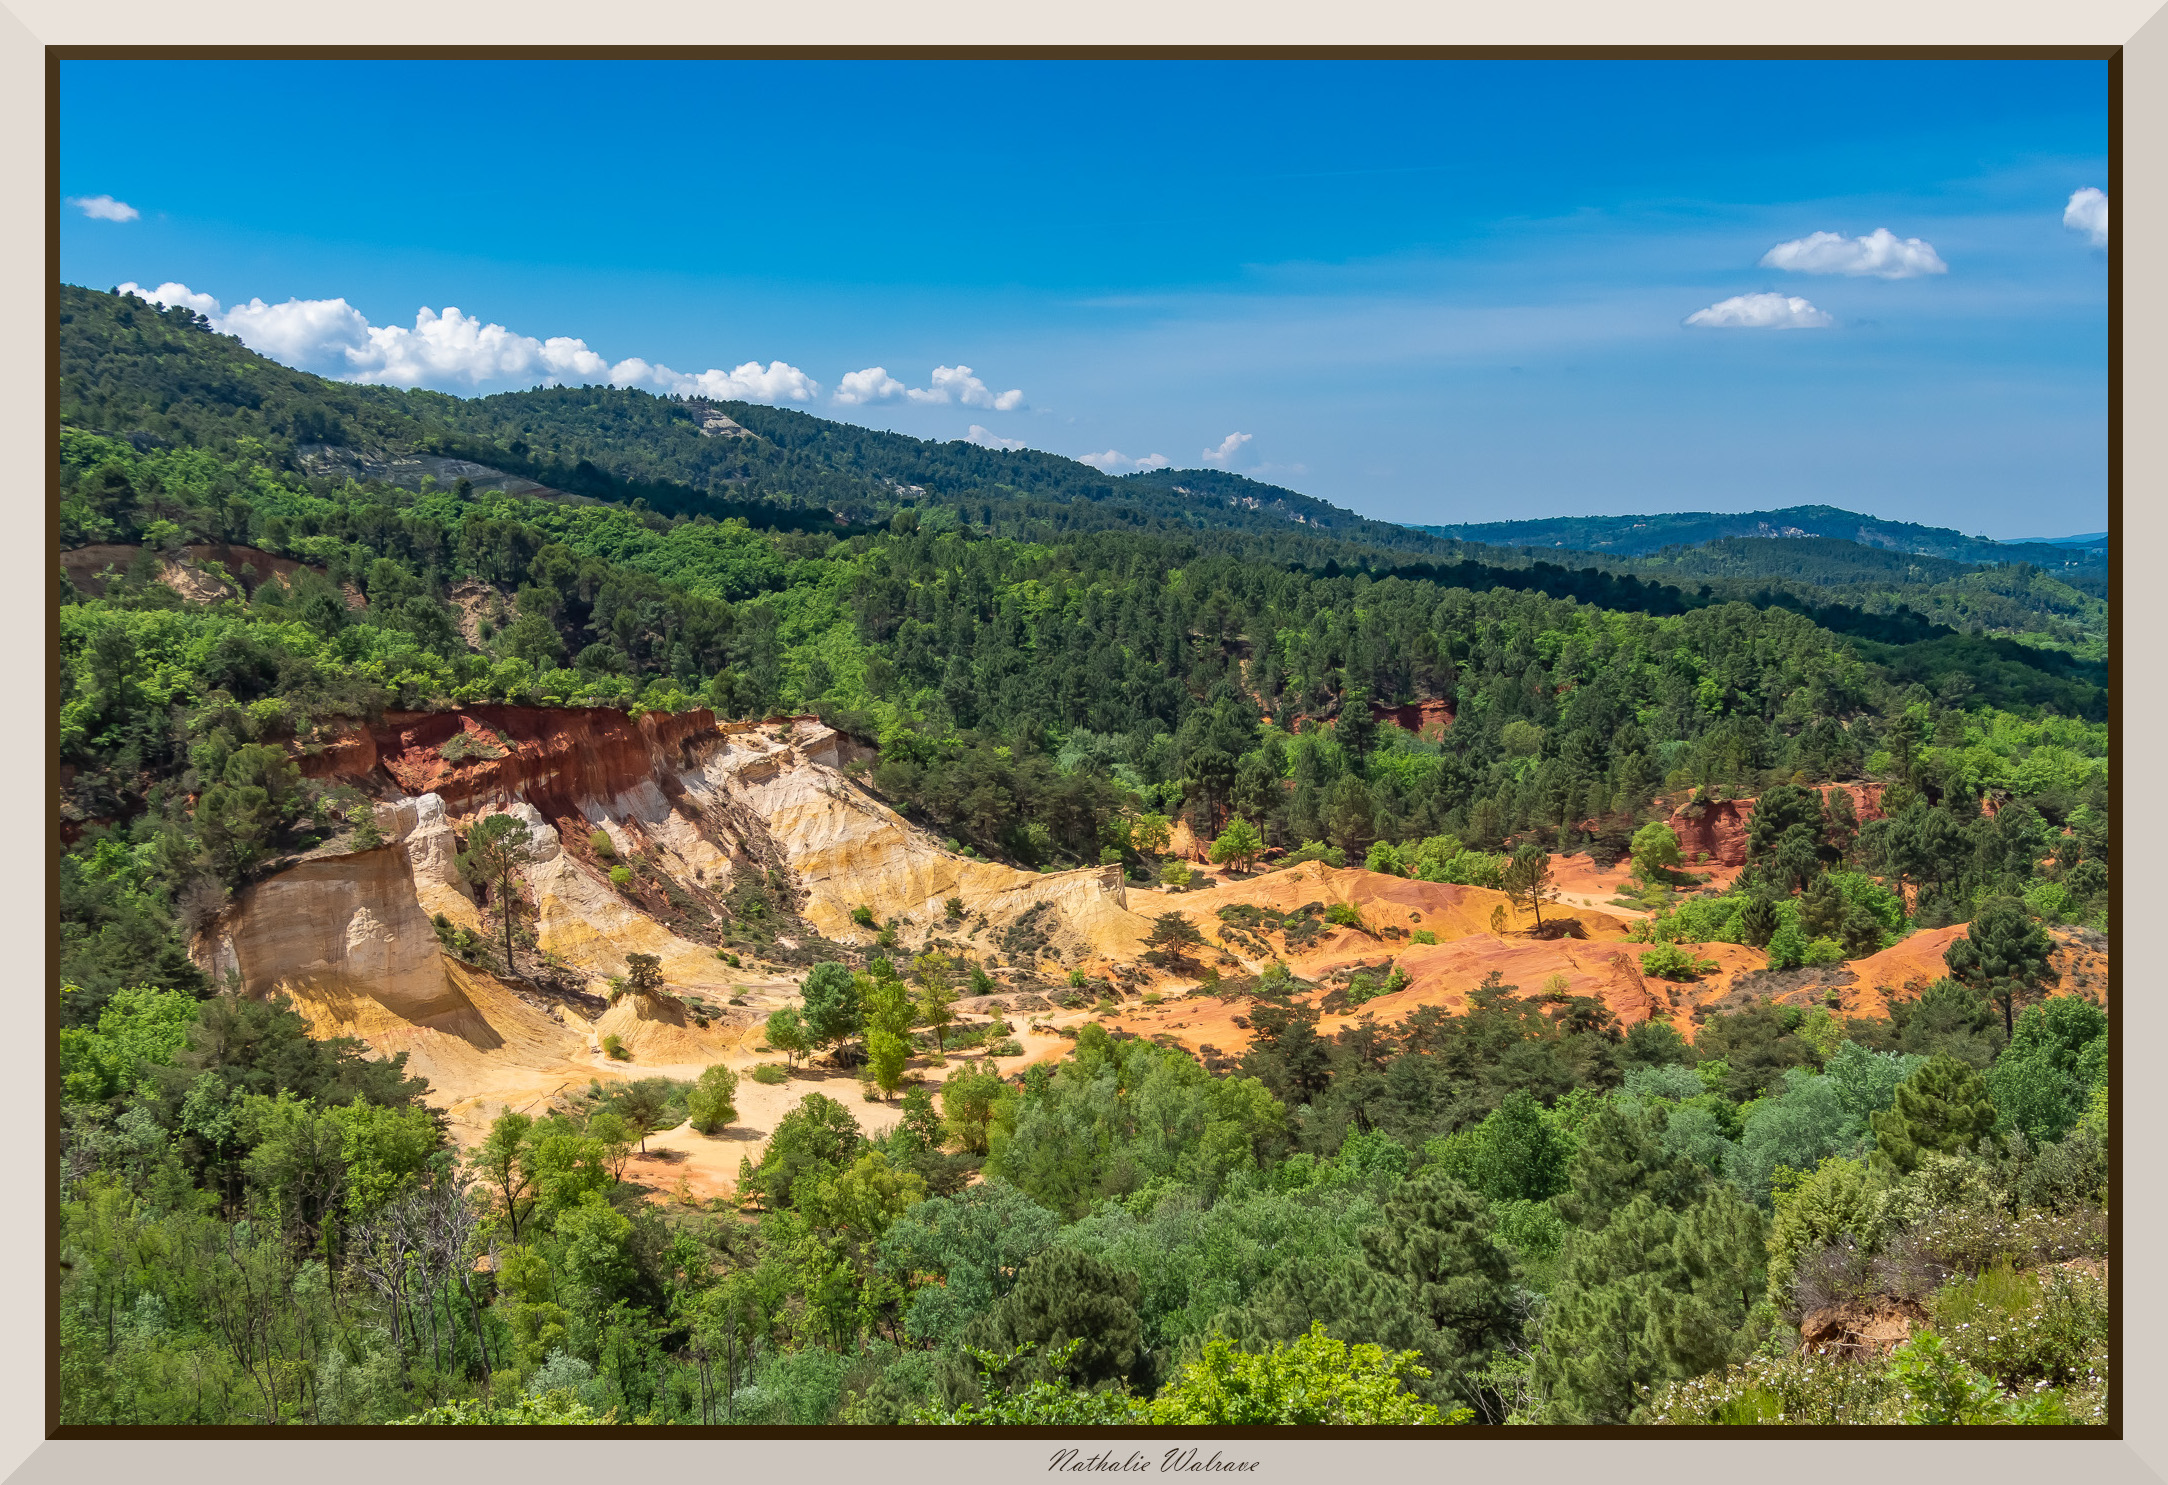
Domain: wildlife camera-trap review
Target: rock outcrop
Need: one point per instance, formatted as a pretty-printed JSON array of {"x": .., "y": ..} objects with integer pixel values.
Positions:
[{"x": 1719, "y": 827}]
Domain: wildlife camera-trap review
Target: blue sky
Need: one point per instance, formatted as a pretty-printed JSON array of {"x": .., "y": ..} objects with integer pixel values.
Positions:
[{"x": 1430, "y": 291}]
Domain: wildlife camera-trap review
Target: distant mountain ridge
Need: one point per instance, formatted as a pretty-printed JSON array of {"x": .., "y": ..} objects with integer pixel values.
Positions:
[{"x": 1637, "y": 536}]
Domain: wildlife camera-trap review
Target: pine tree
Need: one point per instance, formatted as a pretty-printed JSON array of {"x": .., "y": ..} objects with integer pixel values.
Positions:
[
  {"x": 1656, "y": 1296},
  {"x": 1944, "y": 1106},
  {"x": 2005, "y": 953}
]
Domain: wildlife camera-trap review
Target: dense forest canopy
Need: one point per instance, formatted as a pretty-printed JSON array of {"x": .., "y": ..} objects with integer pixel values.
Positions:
[{"x": 1537, "y": 1215}]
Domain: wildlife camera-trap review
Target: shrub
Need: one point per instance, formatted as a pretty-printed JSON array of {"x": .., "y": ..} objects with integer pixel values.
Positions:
[
  {"x": 461, "y": 746},
  {"x": 2023, "y": 1329},
  {"x": 614, "y": 1048},
  {"x": 1315, "y": 850},
  {"x": 771, "y": 1073},
  {"x": 710, "y": 1102},
  {"x": 862, "y": 915},
  {"x": 621, "y": 878},
  {"x": 600, "y": 843},
  {"x": 954, "y": 907},
  {"x": 1670, "y": 962},
  {"x": 1346, "y": 915},
  {"x": 1424, "y": 936},
  {"x": 1823, "y": 951},
  {"x": 1787, "y": 947},
  {"x": 1176, "y": 874},
  {"x": 1006, "y": 1047},
  {"x": 1386, "y": 857}
]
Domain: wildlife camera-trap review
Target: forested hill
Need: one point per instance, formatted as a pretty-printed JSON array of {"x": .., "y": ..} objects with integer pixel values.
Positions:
[
  {"x": 163, "y": 377},
  {"x": 1636, "y": 536}
]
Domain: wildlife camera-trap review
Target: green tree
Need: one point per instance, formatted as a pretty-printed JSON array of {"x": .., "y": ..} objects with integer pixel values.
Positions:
[
  {"x": 505, "y": 1160},
  {"x": 1655, "y": 851},
  {"x": 969, "y": 1096},
  {"x": 1528, "y": 879},
  {"x": 817, "y": 1137},
  {"x": 1951, "y": 1018},
  {"x": 937, "y": 1005},
  {"x": 786, "y": 1032},
  {"x": 974, "y": 1244},
  {"x": 1944, "y": 1106},
  {"x": 498, "y": 848},
  {"x": 643, "y": 1106},
  {"x": 712, "y": 1101},
  {"x": 1656, "y": 1295},
  {"x": 832, "y": 1012},
  {"x": 1239, "y": 845},
  {"x": 2005, "y": 953},
  {"x": 643, "y": 974},
  {"x": 1513, "y": 1155},
  {"x": 1172, "y": 937},
  {"x": 1063, "y": 1295},
  {"x": 2040, "y": 1084}
]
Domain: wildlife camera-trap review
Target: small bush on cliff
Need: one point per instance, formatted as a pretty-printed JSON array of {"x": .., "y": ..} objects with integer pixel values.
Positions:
[
  {"x": 621, "y": 878},
  {"x": 600, "y": 843},
  {"x": 461, "y": 746},
  {"x": 615, "y": 1049}
]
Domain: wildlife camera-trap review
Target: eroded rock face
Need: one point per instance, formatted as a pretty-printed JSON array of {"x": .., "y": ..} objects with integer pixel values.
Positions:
[
  {"x": 348, "y": 936},
  {"x": 1717, "y": 832},
  {"x": 1720, "y": 827}
]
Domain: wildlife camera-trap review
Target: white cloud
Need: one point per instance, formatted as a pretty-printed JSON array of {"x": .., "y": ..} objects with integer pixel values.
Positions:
[
  {"x": 957, "y": 384},
  {"x": 1227, "y": 449},
  {"x": 778, "y": 381},
  {"x": 104, "y": 208},
  {"x": 1114, "y": 461},
  {"x": 1880, "y": 254},
  {"x": 1762, "y": 312},
  {"x": 874, "y": 384},
  {"x": 986, "y": 439},
  {"x": 2088, "y": 213},
  {"x": 457, "y": 352},
  {"x": 172, "y": 294}
]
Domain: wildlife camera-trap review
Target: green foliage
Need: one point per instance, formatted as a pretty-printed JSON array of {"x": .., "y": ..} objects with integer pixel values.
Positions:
[
  {"x": 643, "y": 974},
  {"x": 2004, "y": 953},
  {"x": 600, "y": 843},
  {"x": 1512, "y": 1155},
  {"x": 817, "y": 1137},
  {"x": 770, "y": 1073},
  {"x": 2040, "y": 1084},
  {"x": 1942, "y": 1107},
  {"x": 1670, "y": 962},
  {"x": 832, "y": 1012},
  {"x": 1655, "y": 851},
  {"x": 1387, "y": 858},
  {"x": 787, "y": 1032},
  {"x": 1653, "y": 1296},
  {"x": 1062, "y": 1296},
  {"x": 553, "y": 1409},
  {"x": 1114, "y": 1115},
  {"x": 614, "y": 1048},
  {"x": 1314, "y": 1380},
  {"x": 1239, "y": 845},
  {"x": 1941, "y": 1390},
  {"x": 140, "y": 1028},
  {"x": 711, "y": 1102}
]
